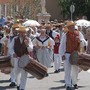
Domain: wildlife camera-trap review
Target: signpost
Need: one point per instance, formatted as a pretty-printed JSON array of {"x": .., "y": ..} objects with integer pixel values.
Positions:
[{"x": 72, "y": 9}]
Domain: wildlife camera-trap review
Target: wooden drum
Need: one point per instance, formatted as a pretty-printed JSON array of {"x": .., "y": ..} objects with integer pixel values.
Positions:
[
  {"x": 84, "y": 61},
  {"x": 5, "y": 64},
  {"x": 80, "y": 59},
  {"x": 32, "y": 66}
]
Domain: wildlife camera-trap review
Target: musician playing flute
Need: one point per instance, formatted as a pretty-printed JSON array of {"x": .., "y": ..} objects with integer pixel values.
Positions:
[
  {"x": 70, "y": 42},
  {"x": 20, "y": 45}
]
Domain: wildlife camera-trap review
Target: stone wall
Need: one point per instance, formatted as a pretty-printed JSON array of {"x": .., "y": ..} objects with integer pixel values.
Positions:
[{"x": 53, "y": 9}]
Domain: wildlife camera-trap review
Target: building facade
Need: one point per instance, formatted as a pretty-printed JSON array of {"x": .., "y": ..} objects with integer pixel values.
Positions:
[
  {"x": 3, "y": 7},
  {"x": 12, "y": 7},
  {"x": 54, "y": 9}
]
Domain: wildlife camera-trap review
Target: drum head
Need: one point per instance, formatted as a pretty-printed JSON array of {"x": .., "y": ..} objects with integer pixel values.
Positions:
[{"x": 24, "y": 60}]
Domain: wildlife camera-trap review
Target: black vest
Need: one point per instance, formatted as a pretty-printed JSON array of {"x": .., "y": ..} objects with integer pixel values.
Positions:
[
  {"x": 20, "y": 48},
  {"x": 49, "y": 33}
]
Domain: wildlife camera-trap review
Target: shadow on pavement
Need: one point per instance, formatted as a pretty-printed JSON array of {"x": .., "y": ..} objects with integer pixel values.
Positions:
[
  {"x": 30, "y": 77},
  {"x": 61, "y": 70},
  {"x": 57, "y": 88},
  {"x": 61, "y": 81},
  {"x": 63, "y": 87},
  {"x": 81, "y": 86},
  {"x": 51, "y": 73},
  {"x": 5, "y": 87},
  {"x": 4, "y": 81}
]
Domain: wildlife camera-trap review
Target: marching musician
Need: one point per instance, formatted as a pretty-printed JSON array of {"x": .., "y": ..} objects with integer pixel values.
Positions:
[
  {"x": 88, "y": 40},
  {"x": 51, "y": 33},
  {"x": 13, "y": 33},
  {"x": 20, "y": 45},
  {"x": 44, "y": 44},
  {"x": 70, "y": 42}
]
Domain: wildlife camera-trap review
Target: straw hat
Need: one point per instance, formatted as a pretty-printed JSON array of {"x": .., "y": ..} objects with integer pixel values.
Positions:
[
  {"x": 70, "y": 23},
  {"x": 22, "y": 29},
  {"x": 16, "y": 25}
]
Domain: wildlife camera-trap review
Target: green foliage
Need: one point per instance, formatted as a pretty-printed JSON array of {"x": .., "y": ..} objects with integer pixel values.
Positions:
[
  {"x": 64, "y": 5},
  {"x": 81, "y": 7}
]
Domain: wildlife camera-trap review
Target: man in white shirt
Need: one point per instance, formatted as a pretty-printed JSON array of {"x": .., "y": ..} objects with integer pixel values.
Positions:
[{"x": 19, "y": 46}]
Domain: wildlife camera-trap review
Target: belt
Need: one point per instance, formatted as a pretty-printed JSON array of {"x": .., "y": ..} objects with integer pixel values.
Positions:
[{"x": 68, "y": 52}]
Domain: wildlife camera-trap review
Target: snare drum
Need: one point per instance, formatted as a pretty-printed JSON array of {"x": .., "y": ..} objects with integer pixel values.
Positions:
[{"x": 32, "y": 66}]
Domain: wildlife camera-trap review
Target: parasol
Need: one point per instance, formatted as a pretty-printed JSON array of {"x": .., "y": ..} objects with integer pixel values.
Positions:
[
  {"x": 83, "y": 22},
  {"x": 31, "y": 23}
]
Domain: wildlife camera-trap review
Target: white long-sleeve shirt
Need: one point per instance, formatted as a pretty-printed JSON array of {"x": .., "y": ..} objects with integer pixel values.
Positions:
[
  {"x": 11, "y": 46},
  {"x": 62, "y": 48}
]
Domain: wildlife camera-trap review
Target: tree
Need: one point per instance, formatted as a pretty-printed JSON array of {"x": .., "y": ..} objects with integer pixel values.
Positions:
[
  {"x": 26, "y": 8},
  {"x": 64, "y": 5},
  {"x": 88, "y": 10},
  {"x": 81, "y": 7}
]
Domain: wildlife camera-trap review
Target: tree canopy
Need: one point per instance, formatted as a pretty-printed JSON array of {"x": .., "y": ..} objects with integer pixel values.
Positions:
[{"x": 81, "y": 8}]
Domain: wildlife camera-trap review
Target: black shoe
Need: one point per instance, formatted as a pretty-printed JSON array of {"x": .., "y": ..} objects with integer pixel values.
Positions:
[
  {"x": 68, "y": 88},
  {"x": 51, "y": 66},
  {"x": 56, "y": 71},
  {"x": 59, "y": 70},
  {"x": 18, "y": 88},
  {"x": 10, "y": 80},
  {"x": 65, "y": 85},
  {"x": 47, "y": 75},
  {"x": 21, "y": 89},
  {"x": 12, "y": 84},
  {"x": 75, "y": 86}
]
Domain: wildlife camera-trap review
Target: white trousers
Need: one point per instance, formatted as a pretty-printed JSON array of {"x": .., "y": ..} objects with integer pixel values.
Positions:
[
  {"x": 74, "y": 74},
  {"x": 51, "y": 54},
  {"x": 57, "y": 61},
  {"x": 12, "y": 74},
  {"x": 19, "y": 74},
  {"x": 71, "y": 72}
]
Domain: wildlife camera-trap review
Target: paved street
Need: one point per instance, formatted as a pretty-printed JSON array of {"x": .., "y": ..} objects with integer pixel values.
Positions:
[{"x": 52, "y": 82}]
